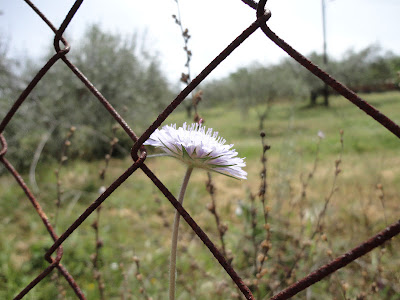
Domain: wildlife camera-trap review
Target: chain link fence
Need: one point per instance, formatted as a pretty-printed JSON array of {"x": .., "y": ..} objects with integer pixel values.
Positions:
[{"x": 138, "y": 153}]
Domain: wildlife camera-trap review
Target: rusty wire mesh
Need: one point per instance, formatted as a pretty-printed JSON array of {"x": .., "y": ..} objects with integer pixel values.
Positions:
[{"x": 55, "y": 253}]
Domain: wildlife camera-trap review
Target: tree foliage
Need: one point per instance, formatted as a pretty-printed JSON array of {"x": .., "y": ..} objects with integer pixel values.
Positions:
[
  {"x": 368, "y": 70},
  {"x": 128, "y": 76}
]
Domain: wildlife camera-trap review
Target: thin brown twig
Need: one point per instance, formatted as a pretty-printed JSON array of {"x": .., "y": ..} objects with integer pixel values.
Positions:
[
  {"x": 61, "y": 162},
  {"x": 266, "y": 243},
  {"x": 139, "y": 278},
  {"x": 212, "y": 208},
  {"x": 339, "y": 262},
  {"x": 57, "y": 246},
  {"x": 186, "y": 77},
  {"x": 96, "y": 224},
  {"x": 322, "y": 213},
  {"x": 333, "y": 188}
]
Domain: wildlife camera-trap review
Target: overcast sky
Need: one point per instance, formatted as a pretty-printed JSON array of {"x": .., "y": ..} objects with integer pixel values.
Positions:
[{"x": 213, "y": 24}]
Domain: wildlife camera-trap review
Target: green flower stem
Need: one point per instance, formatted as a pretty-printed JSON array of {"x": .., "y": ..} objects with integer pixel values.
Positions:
[{"x": 174, "y": 245}]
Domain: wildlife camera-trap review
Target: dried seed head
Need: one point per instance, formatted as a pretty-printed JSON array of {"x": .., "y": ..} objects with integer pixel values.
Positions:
[
  {"x": 197, "y": 97},
  {"x": 345, "y": 286},
  {"x": 211, "y": 207},
  {"x": 261, "y": 257},
  {"x": 94, "y": 225},
  {"x": 223, "y": 228},
  {"x": 264, "y": 271},
  {"x": 265, "y": 244},
  {"x": 185, "y": 78}
]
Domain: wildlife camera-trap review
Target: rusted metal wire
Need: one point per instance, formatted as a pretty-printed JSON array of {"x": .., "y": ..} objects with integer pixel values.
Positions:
[
  {"x": 251, "y": 3},
  {"x": 339, "y": 262},
  {"x": 139, "y": 154},
  {"x": 200, "y": 233},
  {"x": 203, "y": 74},
  {"x": 49, "y": 227}
]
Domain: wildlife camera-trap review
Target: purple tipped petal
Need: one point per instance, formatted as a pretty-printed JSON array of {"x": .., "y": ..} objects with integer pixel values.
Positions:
[{"x": 205, "y": 148}]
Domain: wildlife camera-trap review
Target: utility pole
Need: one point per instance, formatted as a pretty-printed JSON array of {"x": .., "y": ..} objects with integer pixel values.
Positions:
[{"x": 325, "y": 55}]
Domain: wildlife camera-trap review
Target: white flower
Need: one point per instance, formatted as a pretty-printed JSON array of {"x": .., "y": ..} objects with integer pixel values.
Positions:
[
  {"x": 199, "y": 149},
  {"x": 102, "y": 189},
  {"x": 114, "y": 266},
  {"x": 239, "y": 208},
  {"x": 321, "y": 135}
]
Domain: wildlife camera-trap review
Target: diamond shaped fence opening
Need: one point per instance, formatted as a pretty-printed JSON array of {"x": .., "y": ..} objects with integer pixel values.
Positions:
[{"x": 54, "y": 254}]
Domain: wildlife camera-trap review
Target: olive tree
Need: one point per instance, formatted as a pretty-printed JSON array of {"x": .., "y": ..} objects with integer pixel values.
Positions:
[{"x": 126, "y": 74}]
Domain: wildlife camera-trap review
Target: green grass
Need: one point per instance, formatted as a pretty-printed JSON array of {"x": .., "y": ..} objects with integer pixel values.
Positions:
[{"x": 131, "y": 221}]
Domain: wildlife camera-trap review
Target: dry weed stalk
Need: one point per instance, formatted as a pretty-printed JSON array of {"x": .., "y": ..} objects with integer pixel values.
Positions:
[
  {"x": 186, "y": 77},
  {"x": 212, "y": 208},
  {"x": 261, "y": 248},
  {"x": 266, "y": 243},
  {"x": 126, "y": 292},
  {"x": 334, "y": 188},
  {"x": 139, "y": 278},
  {"x": 95, "y": 257},
  {"x": 381, "y": 196},
  {"x": 161, "y": 212},
  {"x": 61, "y": 162},
  {"x": 306, "y": 181},
  {"x": 63, "y": 158},
  {"x": 318, "y": 227}
]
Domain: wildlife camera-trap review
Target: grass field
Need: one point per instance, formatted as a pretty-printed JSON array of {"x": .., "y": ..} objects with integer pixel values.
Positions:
[{"x": 359, "y": 184}]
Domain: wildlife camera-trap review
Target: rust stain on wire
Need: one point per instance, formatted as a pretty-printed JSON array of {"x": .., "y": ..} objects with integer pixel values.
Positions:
[
  {"x": 49, "y": 227},
  {"x": 138, "y": 154},
  {"x": 339, "y": 262},
  {"x": 96, "y": 204},
  {"x": 200, "y": 233},
  {"x": 203, "y": 74}
]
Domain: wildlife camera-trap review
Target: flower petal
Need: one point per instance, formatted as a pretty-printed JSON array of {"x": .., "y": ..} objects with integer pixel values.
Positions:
[{"x": 198, "y": 147}]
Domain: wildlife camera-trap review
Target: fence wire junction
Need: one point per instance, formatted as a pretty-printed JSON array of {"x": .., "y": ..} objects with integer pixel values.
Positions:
[{"x": 138, "y": 153}]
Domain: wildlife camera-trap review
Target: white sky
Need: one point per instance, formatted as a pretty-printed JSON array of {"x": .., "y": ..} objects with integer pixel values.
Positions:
[{"x": 213, "y": 24}]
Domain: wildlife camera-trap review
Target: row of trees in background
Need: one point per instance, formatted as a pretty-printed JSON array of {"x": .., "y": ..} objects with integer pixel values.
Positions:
[
  {"x": 121, "y": 68},
  {"x": 369, "y": 70},
  {"x": 130, "y": 77}
]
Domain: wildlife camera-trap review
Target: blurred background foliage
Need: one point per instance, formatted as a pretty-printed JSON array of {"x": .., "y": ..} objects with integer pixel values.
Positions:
[
  {"x": 369, "y": 70},
  {"x": 130, "y": 77},
  {"x": 285, "y": 95}
]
